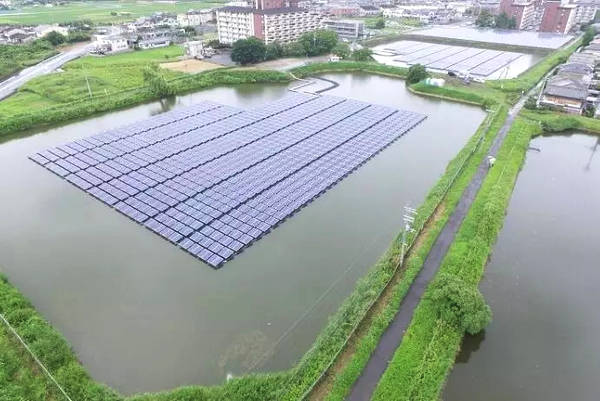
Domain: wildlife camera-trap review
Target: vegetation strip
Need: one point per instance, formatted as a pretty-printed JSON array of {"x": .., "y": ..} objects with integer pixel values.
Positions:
[{"x": 419, "y": 366}]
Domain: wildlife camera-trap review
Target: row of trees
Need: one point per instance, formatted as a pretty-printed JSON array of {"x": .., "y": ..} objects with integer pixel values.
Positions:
[
  {"x": 253, "y": 50},
  {"x": 489, "y": 20},
  {"x": 56, "y": 38}
]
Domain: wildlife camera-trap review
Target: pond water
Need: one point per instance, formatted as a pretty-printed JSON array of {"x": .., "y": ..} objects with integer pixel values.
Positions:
[
  {"x": 542, "y": 284},
  {"x": 143, "y": 315}
]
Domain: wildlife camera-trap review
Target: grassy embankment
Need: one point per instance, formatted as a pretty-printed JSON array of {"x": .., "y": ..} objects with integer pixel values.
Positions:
[
  {"x": 14, "y": 58},
  {"x": 98, "y": 12},
  {"x": 114, "y": 81},
  {"x": 421, "y": 363}
]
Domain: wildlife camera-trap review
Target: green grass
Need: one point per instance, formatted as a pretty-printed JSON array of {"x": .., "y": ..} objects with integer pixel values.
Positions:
[
  {"x": 14, "y": 58},
  {"x": 552, "y": 122},
  {"x": 98, "y": 11},
  {"x": 105, "y": 75},
  {"x": 349, "y": 66},
  {"x": 421, "y": 363}
]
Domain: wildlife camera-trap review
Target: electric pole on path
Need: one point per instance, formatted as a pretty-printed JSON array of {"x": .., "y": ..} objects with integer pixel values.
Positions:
[{"x": 409, "y": 219}]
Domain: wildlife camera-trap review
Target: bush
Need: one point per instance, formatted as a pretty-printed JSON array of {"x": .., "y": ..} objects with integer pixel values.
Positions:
[
  {"x": 531, "y": 103},
  {"x": 55, "y": 38},
  {"x": 341, "y": 50},
  {"x": 379, "y": 24},
  {"x": 459, "y": 303},
  {"x": 248, "y": 51},
  {"x": 416, "y": 73},
  {"x": 588, "y": 36},
  {"x": 273, "y": 51},
  {"x": 363, "y": 54},
  {"x": 318, "y": 42}
]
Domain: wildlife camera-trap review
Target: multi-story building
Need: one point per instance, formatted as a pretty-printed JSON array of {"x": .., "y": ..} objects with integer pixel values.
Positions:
[
  {"x": 522, "y": 11},
  {"x": 270, "y": 20},
  {"x": 586, "y": 10},
  {"x": 558, "y": 17},
  {"x": 195, "y": 17},
  {"x": 347, "y": 29}
]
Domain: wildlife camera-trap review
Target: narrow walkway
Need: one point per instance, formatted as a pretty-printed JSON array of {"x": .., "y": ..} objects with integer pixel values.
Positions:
[{"x": 390, "y": 340}]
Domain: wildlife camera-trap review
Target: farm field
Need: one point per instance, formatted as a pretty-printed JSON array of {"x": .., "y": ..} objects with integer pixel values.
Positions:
[{"x": 98, "y": 12}]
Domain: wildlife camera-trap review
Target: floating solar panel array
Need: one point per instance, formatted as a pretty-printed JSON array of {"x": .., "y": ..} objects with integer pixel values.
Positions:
[
  {"x": 212, "y": 178},
  {"x": 482, "y": 62}
]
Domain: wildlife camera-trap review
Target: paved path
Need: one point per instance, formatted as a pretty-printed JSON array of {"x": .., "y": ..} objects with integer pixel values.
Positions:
[
  {"x": 9, "y": 86},
  {"x": 392, "y": 337}
]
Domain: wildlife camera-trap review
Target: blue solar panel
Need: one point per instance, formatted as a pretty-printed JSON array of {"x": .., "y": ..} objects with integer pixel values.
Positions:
[{"x": 213, "y": 179}]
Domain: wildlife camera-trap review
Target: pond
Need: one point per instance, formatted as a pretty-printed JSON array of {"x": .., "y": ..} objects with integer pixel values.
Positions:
[
  {"x": 142, "y": 315},
  {"x": 542, "y": 285}
]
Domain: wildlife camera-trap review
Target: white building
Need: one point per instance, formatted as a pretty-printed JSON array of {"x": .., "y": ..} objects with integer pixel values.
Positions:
[
  {"x": 110, "y": 44},
  {"x": 586, "y": 10},
  {"x": 281, "y": 25},
  {"x": 347, "y": 29},
  {"x": 43, "y": 30},
  {"x": 234, "y": 23},
  {"x": 195, "y": 17}
]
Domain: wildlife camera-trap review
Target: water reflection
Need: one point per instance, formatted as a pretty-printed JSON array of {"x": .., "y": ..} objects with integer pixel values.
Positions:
[{"x": 470, "y": 345}]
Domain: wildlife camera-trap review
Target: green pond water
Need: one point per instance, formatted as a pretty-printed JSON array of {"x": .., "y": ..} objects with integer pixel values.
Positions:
[{"x": 142, "y": 315}]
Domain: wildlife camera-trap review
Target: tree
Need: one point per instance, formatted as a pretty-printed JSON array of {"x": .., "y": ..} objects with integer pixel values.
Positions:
[
  {"x": 503, "y": 21},
  {"x": 588, "y": 36},
  {"x": 294, "y": 49},
  {"x": 156, "y": 81},
  {"x": 273, "y": 51},
  {"x": 379, "y": 24},
  {"x": 363, "y": 54},
  {"x": 55, "y": 38},
  {"x": 416, "y": 73},
  {"x": 459, "y": 303},
  {"x": 318, "y": 42},
  {"x": 485, "y": 19},
  {"x": 341, "y": 50},
  {"x": 531, "y": 103},
  {"x": 248, "y": 51}
]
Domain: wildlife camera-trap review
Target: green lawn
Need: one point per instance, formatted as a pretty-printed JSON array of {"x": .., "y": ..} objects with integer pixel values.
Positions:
[
  {"x": 98, "y": 11},
  {"x": 16, "y": 57},
  {"x": 105, "y": 75}
]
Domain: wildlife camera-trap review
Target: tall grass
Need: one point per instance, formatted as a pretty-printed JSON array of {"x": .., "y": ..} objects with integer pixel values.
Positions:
[{"x": 421, "y": 363}]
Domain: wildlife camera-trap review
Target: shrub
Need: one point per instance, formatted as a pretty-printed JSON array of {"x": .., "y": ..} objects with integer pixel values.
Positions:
[
  {"x": 248, "y": 51},
  {"x": 363, "y": 54},
  {"x": 416, "y": 73},
  {"x": 55, "y": 38},
  {"x": 459, "y": 303}
]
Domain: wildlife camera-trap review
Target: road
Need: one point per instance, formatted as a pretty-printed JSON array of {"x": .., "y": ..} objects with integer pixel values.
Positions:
[
  {"x": 10, "y": 85},
  {"x": 390, "y": 340}
]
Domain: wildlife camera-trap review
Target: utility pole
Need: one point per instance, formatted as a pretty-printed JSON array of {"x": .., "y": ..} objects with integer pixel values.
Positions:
[{"x": 409, "y": 219}]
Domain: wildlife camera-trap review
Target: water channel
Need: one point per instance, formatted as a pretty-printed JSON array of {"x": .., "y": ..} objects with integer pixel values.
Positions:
[
  {"x": 143, "y": 315},
  {"x": 542, "y": 284}
]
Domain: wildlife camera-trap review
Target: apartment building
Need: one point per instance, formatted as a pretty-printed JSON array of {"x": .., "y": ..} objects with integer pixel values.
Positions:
[
  {"x": 522, "y": 11},
  {"x": 586, "y": 10},
  {"x": 270, "y": 20},
  {"x": 347, "y": 29},
  {"x": 558, "y": 17}
]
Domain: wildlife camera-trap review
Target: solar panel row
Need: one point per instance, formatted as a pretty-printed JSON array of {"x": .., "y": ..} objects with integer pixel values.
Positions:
[
  {"x": 483, "y": 62},
  {"x": 212, "y": 179}
]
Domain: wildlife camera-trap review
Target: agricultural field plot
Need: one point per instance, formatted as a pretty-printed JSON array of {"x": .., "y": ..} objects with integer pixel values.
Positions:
[
  {"x": 98, "y": 11},
  {"x": 480, "y": 62},
  {"x": 212, "y": 179}
]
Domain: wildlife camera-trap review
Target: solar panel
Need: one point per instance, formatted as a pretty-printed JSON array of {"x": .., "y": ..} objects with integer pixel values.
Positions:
[{"x": 213, "y": 179}]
